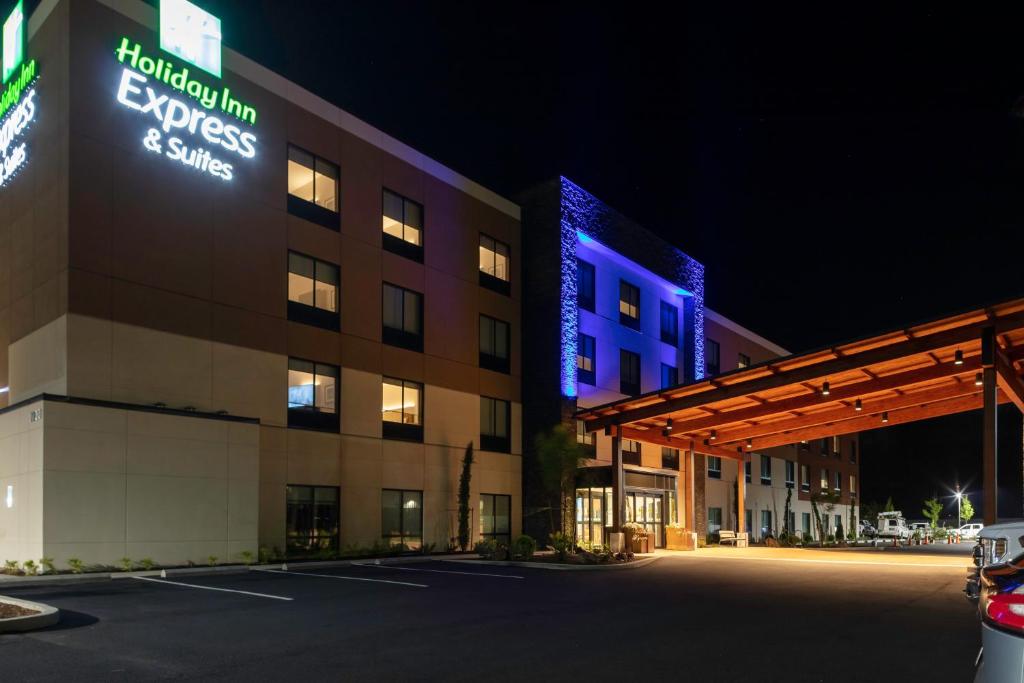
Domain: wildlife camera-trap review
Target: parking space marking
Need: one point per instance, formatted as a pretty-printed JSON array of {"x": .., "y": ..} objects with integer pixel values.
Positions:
[
  {"x": 212, "y": 588},
  {"x": 932, "y": 565},
  {"x": 343, "y": 578},
  {"x": 436, "y": 571}
]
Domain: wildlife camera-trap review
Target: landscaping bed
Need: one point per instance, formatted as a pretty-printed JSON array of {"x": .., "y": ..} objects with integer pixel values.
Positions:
[{"x": 9, "y": 611}]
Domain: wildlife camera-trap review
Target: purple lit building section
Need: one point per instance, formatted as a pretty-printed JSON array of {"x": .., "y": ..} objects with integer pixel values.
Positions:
[{"x": 589, "y": 226}]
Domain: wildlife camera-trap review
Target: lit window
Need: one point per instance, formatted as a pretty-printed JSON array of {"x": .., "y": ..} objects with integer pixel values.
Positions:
[
  {"x": 586, "y": 358},
  {"x": 494, "y": 258},
  {"x": 402, "y": 317},
  {"x": 629, "y": 305},
  {"x": 312, "y": 283},
  {"x": 853, "y": 484},
  {"x": 824, "y": 480},
  {"x": 312, "y": 179},
  {"x": 400, "y": 402},
  {"x": 402, "y": 219},
  {"x": 582, "y": 436},
  {"x": 495, "y": 517},
  {"x": 312, "y": 394},
  {"x": 402, "y": 518},
  {"x": 495, "y": 415}
]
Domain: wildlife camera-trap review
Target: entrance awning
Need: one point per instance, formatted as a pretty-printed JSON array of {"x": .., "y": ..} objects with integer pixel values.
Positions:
[{"x": 941, "y": 367}]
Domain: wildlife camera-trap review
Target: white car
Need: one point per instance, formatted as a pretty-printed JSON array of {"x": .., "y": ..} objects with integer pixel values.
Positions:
[{"x": 969, "y": 532}]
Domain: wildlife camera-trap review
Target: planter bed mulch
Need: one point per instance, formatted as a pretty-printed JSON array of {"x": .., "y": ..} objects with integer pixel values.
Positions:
[{"x": 8, "y": 611}]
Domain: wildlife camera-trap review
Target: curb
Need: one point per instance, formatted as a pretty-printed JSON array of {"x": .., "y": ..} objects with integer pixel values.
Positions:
[
  {"x": 285, "y": 566},
  {"x": 635, "y": 564},
  {"x": 48, "y": 616},
  {"x": 55, "y": 580}
]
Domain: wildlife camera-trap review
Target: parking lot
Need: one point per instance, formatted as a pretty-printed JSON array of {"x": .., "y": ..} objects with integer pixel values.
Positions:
[{"x": 708, "y": 618}]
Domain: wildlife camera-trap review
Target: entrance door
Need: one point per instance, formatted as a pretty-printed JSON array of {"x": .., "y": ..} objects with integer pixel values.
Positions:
[{"x": 647, "y": 510}]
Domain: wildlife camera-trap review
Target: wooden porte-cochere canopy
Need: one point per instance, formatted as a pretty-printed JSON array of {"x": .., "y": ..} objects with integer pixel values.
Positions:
[{"x": 962, "y": 362}]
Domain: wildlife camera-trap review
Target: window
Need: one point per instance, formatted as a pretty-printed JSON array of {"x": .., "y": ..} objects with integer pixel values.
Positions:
[
  {"x": 311, "y": 520},
  {"x": 835, "y": 446},
  {"x": 853, "y": 452},
  {"x": 805, "y": 478},
  {"x": 586, "y": 359},
  {"x": 839, "y": 482},
  {"x": 312, "y": 188},
  {"x": 853, "y": 484},
  {"x": 766, "y": 523},
  {"x": 312, "y": 291},
  {"x": 401, "y": 409},
  {"x": 711, "y": 357},
  {"x": 629, "y": 305},
  {"x": 496, "y": 517},
  {"x": 714, "y": 520},
  {"x": 402, "y": 223},
  {"x": 790, "y": 474},
  {"x": 312, "y": 395},
  {"x": 824, "y": 480},
  {"x": 402, "y": 315},
  {"x": 746, "y": 471},
  {"x": 494, "y": 264},
  {"x": 585, "y": 285},
  {"x": 766, "y": 470},
  {"x": 669, "y": 324},
  {"x": 714, "y": 467},
  {"x": 630, "y": 452},
  {"x": 824, "y": 447},
  {"x": 495, "y": 415},
  {"x": 669, "y": 376},
  {"x": 669, "y": 458},
  {"x": 805, "y": 523},
  {"x": 494, "y": 344},
  {"x": 743, "y": 361},
  {"x": 583, "y": 437},
  {"x": 629, "y": 372},
  {"x": 402, "y": 518},
  {"x": 839, "y": 524}
]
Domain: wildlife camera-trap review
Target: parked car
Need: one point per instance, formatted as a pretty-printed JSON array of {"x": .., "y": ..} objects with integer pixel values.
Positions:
[
  {"x": 865, "y": 530},
  {"x": 969, "y": 532},
  {"x": 892, "y": 525},
  {"x": 997, "y": 543},
  {"x": 1001, "y": 606}
]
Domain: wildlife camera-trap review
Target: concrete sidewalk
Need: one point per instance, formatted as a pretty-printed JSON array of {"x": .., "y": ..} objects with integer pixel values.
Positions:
[{"x": 839, "y": 556}]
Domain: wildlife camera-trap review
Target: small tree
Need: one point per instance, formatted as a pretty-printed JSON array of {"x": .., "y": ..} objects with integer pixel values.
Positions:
[
  {"x": 559, "y": 456},
  {"x": 785, "y": 512},
  {"x": 966, "y": 509},
  {"x": 467, "y": 472},
  {"x": 932, "y": 511}
]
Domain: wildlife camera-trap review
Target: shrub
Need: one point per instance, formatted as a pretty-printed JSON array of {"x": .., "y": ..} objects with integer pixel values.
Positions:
[
  {"x": 76, "y": 565},
  {"x": 47, "y": 565},
  {"x": 30, "y": 567},
  {"x": 264, "y": 554},
  {"x": 941, "y": 533},
  {"x": 212, "y": 560},
  {"x": 147, "y": 563},
  {"x": 11, "y": 567},
  {"x": 126, "y": 564},
  {"x": 562, "y": 545},
  {"x": 830, "y": 538},
  {"x": 246, "y": 556},
  {"x": 523, "y": 547},
  {"x": 428, "y": 548},
  {"x": 486, "y": 548}
]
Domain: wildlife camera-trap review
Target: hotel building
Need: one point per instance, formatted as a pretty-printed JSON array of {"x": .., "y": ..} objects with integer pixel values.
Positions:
[
  {"x": 232, "y": 315},
  {"x": 629, "y": 318}
]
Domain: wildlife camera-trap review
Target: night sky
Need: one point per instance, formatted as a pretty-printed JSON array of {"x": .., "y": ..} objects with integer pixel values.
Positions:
[{"x": 838, "y": 172}]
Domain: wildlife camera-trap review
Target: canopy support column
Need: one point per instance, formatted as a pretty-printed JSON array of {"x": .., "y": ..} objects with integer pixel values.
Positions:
[
  {"x": 741, "y": 494},
  {"x": 990, "y": 427},
  {"x": 618, "y": 484}
]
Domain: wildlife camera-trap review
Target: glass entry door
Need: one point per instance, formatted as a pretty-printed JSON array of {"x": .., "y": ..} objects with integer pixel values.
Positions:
[{"x": 647, "y": 510}]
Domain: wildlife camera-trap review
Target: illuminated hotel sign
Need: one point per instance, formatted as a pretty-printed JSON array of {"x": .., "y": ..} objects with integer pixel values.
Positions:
[
  {"x": 198, "y": 125},
  {"x": 18, "y": 99}
]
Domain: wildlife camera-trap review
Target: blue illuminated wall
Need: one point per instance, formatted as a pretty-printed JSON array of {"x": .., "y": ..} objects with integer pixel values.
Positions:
[{"x": 583, "y": 217}]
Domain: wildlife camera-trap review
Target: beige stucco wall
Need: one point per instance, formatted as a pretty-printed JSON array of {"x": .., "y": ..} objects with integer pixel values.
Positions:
[
  {"x": 38, "y": 362},
  {"x": 126, "y": 483},
  {"x": 21, "y": 466}
]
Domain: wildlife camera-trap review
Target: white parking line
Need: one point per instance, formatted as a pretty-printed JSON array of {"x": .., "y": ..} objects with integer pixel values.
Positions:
[
  {"x": 933, "y": 565},
  {"x": 343, "y": 578},
  {"x": 435, "y": 571},
  {"x": 211, "y": 588}
]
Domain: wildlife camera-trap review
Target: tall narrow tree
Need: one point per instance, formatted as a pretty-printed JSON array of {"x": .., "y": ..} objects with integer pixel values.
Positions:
[{"x": 467, "y": 473}]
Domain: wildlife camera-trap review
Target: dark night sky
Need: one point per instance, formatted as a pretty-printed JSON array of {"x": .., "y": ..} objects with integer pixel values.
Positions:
[{"x": 838, "y": 172}]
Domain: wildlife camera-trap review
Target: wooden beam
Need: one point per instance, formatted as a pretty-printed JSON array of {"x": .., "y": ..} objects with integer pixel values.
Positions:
[
  {"x": 956, "y": 405},
  {"x": 941, "y": 393},
  {"x": 708, "y": 393},
  {"x": 886, "y": 383},
  {"x": 655, "y": 437},
  {"x": 1009, "y": 381}
]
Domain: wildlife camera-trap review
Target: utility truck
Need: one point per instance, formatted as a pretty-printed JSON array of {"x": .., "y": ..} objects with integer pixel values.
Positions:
[{"x": 893, "y": 525}]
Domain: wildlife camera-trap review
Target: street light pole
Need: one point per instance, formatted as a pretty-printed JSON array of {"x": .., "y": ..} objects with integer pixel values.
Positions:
[{"x": 958, "y": 506}]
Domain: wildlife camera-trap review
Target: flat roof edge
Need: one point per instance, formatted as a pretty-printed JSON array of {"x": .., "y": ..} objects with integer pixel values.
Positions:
[
  {"x": 277, "y": 84},
  {"x": 720, "y": 319}
]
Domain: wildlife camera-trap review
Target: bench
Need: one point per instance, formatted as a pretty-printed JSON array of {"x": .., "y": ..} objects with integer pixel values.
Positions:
[{"x": 738, "y": 540}]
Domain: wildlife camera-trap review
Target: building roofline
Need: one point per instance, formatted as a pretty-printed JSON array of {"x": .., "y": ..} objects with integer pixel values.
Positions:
[
  {"x": 720, "y": 319},
  {"x": 276, "y": 84}
]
